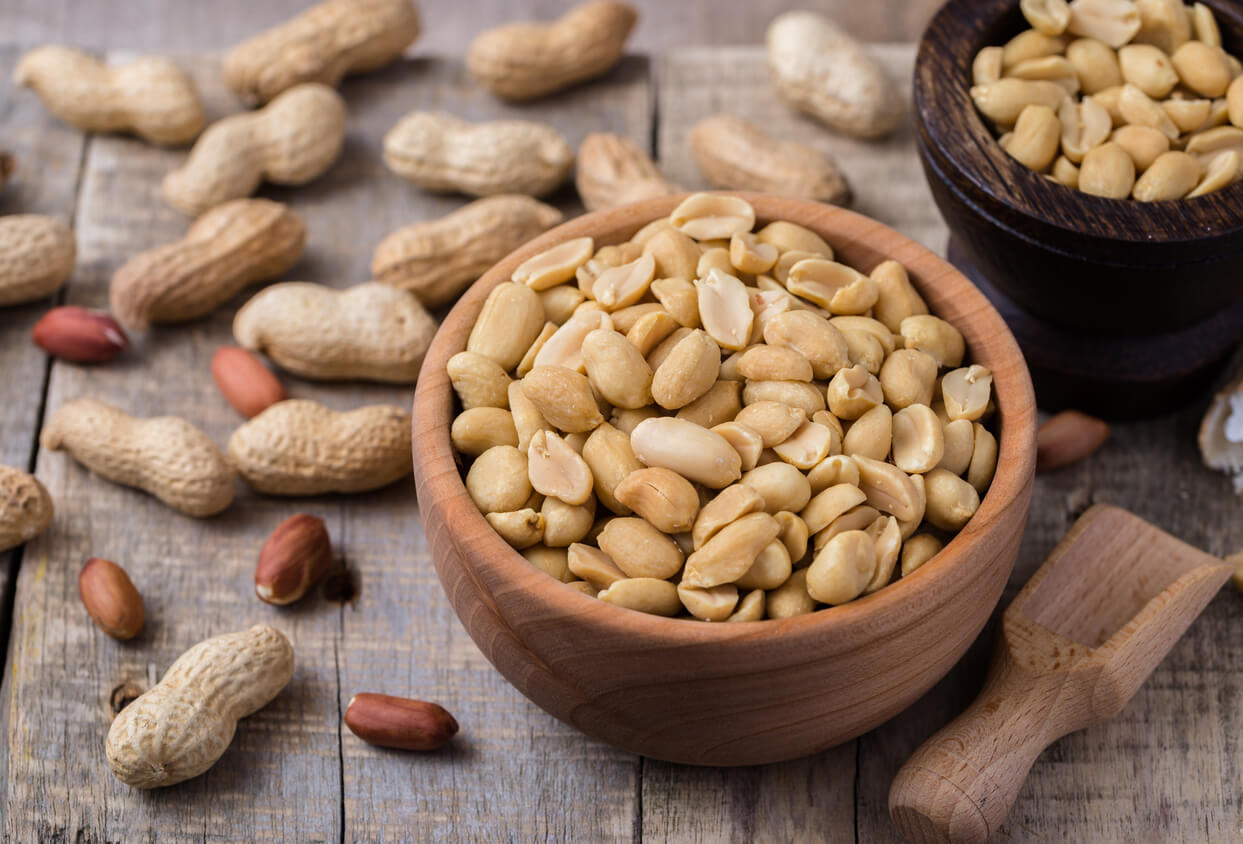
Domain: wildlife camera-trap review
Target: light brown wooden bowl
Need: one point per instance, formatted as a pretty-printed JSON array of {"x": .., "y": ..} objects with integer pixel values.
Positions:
[{"x": 744, "y": 693}]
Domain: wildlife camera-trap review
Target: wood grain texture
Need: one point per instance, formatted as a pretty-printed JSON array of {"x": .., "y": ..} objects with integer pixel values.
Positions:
[
  {"x": 1076, "y": 644},
  {"x": 1047, "y": 246},
  {"x": 448, "y": 26},
  {"x": 399, "y": 635},
  {"x": 1161, "y": 769},
  {"x": 49, "y": 159},
  {"x": 888, "y": 186},
  {"x": 1165, "y": 769},
  {"x": 284, "y": 777}
]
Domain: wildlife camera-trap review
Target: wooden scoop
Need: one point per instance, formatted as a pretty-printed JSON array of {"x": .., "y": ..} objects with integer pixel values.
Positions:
[{"x": 1074, "y": 647}]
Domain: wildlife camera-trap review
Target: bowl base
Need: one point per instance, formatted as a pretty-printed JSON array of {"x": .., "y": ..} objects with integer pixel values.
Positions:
[{"x": 1113, "y": 377}]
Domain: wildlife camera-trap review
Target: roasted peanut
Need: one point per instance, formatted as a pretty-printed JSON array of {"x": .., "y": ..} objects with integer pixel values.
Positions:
[
  {"x": 232, "y": 246},
  {"x": 511, "y": 319},
  {"x": 639, "y": 549},
  {"x": 440, "y": 152},
  {"x": 695, "y": 453},
  {"x": 25, "y": 508},
  {"x": 300, "y": 447},
  {"x": 1067, "y": 438},
  {"x": 36, "y": 257},
  {"x": 164, "y": 456},
  {"x": 149, "y": 96},
  {"x": 613, "y": 171},
  {"x": 322, "y": 44},
  {"x": 526, "y": 60},
  {"x": 369, "y": 331},
  {"x": 735, "y": 154},
  {"x": 819, "y": 69},
  {"x": 291, "y": 141},
  {"x": 436, "y": 260},
  {"x": 761, "y": 411}
]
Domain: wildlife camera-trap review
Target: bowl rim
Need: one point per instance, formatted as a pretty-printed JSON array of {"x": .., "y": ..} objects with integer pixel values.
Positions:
[
  {"x": 952, "y": 130},
  {"x": 441, "y": 485}
]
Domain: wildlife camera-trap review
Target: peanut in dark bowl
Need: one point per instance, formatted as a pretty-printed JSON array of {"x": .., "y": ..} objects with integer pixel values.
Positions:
[
  {"x": 740, "y": 693},
  {"x": 1104, "y": 267}
]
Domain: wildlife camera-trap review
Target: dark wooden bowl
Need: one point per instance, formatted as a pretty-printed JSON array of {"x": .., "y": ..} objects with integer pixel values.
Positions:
[
  {"x": 744, "y": 693},
  {"x": 1106, "y": 267}
]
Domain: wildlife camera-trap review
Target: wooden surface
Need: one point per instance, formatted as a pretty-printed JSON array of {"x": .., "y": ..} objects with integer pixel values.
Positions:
[
  {"x": 1167, "y": 768},
  {"x": 1076, "y": 643},
  {"x": 729, "y": 694}
]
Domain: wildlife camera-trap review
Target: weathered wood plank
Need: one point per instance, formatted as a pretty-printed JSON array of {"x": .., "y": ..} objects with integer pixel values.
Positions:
[
  {"x": 447, "y": 27},
  {"x": 804, "y": 800},
  {"x": 49, "y": 159},
  {"x": 697, "y": 82},
  {"x": 1167, "y": 767},
  {"x": 513, "y": 768},
  {"x": 280, "y": 779},
  {"x": 1161, "y": 769}
]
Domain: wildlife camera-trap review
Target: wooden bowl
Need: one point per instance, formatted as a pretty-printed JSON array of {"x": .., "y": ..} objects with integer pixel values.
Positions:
[
  {"x": 743, "y": 693},
  {"x": 1106, "y": 267}
]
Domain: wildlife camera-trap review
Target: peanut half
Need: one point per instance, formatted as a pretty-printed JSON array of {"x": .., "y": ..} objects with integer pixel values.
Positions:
[
  {"x": 300, "y": 447},
  {"x": 523, "y": 61},
  {"x": 180, "y": 727},
  {"x": 819, "y": 69},
  {"x": 815, "y": 398},
  {"x": 735, "y": 153},
  {"x": 290, "y": 141},
  {"x": 230, "y": 247},
  {"x": 150, "y": 96},
  {"x": 322, "y": 44},
  {"x": 437, "y": 259},
  {"x": 165, "y": 456},
  {"x": 1131, "y": 83},
  {"x": 25, "y": 507},
  {"x": 36, "y": 257},
  {"x": 440, "y": 152},
  {"x": 369, "y": 331}
]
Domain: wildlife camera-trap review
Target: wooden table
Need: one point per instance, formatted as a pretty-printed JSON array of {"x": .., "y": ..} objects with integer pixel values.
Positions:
[{"x": 1167, "y": 769}]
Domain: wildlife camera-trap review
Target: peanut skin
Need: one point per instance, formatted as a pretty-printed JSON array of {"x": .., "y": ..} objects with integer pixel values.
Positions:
[
  {"x": 36, "y": 257},
  {"x": 613, "y": 171},
  {"x": 736, "y": 154},
  {"x": 369, "y": 331},
  {"x": 182, "y": 725},
  {"x": 165, "y": 456},
  {"x": 300, "y": 447},
  {"x": 230, "y": 247},
  {"x": 436, "y": 260},
  {"x": 818, "y": 69},
  {"x": 440, "y": 152},
  {"x": 25, "y": 508},
  {"x": 522, "y": 61},
  {"x": 150, "y": 97},
  {"x": 291, "y": 141},
  {"x": 322, "y": 44}
]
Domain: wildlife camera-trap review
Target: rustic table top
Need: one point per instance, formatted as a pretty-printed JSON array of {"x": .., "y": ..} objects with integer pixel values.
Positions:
[{"x": 1168, "y": 768}]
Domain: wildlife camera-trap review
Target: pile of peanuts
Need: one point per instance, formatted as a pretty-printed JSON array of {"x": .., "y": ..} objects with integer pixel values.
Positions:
[
  {"x": 719, "y": 422},
  {"x": 1118, "y": 98}
]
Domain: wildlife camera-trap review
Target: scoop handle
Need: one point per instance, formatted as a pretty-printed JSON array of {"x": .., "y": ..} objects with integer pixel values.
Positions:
[{"x": 960, "y": 784}]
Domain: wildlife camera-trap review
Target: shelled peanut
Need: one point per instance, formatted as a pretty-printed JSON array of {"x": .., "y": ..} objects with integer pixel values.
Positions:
[
  {"x": 712, "y": 421},
  {"x": 1117, "y": 99}
]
